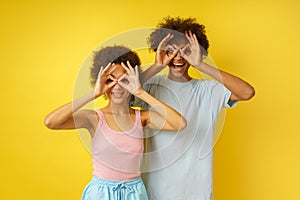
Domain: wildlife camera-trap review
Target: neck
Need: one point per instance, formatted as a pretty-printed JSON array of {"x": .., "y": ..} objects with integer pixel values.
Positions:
[
  {"x": 119, "y": 109},
  {"x": 184, "y": 78}
]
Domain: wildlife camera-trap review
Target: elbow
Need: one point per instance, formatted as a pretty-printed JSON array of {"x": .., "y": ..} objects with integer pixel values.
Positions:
[
  {"x": 49, "y": 124},
  {"x": 182, "y": 124},
  {"x": 249, "y": 94},
  {"x": 245, "y": 95}
]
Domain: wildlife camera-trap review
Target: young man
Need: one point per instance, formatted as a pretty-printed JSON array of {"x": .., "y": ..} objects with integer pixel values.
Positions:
[{"x": 180, "y": 164}]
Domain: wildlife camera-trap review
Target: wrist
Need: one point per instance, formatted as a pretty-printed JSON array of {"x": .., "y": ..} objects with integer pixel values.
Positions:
[
  {"x": 159, "y": 66},
  {"x": 200, "y": 66},
  {"x": 95, "y": 95},
  {"x": 138, "y": 92}
]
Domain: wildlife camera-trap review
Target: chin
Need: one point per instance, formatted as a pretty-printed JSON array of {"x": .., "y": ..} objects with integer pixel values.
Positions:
[
  {"x": 178, "y": 72},
  {"x": 119, "y": 100}
]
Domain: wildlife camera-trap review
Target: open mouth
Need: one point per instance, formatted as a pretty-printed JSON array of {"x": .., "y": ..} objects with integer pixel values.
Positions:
[{"x": 178, "y": 64}]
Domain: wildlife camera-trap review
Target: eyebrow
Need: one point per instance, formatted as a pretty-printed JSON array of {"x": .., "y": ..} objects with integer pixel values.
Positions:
[
  {"x": 175, "y": 47},
  {"x": 115, "y": 76}
]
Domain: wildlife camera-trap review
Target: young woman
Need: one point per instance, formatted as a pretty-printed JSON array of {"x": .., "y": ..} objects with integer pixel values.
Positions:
[{"x": 117, "y": 129}]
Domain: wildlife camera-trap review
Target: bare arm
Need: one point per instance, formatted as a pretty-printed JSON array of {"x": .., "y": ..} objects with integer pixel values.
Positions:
[
  {"x": 240, "y": 89},
  {"x": 165, "y": 117},
  {"x": 162, "y": 59},
  {"x": 69, "y": 116}
]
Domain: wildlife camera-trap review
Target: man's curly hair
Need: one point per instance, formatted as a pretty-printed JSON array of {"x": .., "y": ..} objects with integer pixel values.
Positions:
[
  {"x": 112, "y": 54},
  {"x": 178, "y": 26}
]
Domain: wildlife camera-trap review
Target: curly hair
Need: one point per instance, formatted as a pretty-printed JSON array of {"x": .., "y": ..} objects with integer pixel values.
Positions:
[
  {"x": 112, "y": 54},
  {"x": 178, "y": 26}
]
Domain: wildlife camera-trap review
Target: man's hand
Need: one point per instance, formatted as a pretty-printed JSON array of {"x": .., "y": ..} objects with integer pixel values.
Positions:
[
  {"x": 192, "y": 52},
  {"x": 162, "y": 58}
]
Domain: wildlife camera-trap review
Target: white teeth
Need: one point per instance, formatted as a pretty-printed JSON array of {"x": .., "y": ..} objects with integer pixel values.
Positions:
[{"x": 178, "y": 64}]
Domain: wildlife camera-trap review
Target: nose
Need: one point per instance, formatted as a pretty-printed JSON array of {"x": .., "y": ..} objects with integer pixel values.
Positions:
[
  {"x": 178, "y": 55},
  {"x": 117, "y": 86}
]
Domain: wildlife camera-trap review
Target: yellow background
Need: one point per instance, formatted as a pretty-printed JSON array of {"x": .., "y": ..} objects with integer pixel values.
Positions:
[{"x": 44, "y": 43}]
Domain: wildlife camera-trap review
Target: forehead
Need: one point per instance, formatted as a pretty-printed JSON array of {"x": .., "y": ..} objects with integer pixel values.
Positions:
[
  {"x": 178, "y": 41},
  {"x": 117, "y": 70}
]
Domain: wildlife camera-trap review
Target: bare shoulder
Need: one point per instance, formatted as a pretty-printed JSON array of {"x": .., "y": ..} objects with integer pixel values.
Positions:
[
  {"x": 90, "y": 116},
  {"x": 87, "y": 113}
]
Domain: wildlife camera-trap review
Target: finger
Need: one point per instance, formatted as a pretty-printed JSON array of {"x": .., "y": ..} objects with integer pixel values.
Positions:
[
  {"x": 122, "y": 77},
  {"x": 111, "y": 77},
  {"x": 125, "y": 67},
  {"x": 123, "y": 82},
  {"x": 192, "y": 38},
  {"x": 99, "y": 74},
  {"x": 111, "y": 68},
  {"x": 123, "y": 85},
  {"x": 164, "y": 41},
  {"x": 186, "y": 47},
  {"x": 100, "y": 71},
  {"x": 172, "y": 49},
  {"x": 182, "y": 54},
  {"x": 106, "y": 67},
  {"x": 188, "y": 37},
  {"x": 171, "y": 56},
  {"x": 190, "y": 34},
  {"x": 195, "y": 38},
  {"x": 111, "y": 84},
  {"x": 129, "y": 65},
  {"x": 137, "y": 72}
]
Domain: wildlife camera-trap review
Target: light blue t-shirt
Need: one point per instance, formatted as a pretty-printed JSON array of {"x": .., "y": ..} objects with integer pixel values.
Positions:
[{"x": 179, "y": 163}]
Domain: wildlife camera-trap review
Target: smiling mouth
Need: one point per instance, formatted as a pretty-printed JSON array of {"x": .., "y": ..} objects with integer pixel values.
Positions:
[
  {"x": 178, "y": 64},
  {"x": 118, "y": 94}
]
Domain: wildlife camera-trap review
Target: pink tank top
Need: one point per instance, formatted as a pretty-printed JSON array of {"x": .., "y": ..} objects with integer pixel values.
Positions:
[{"x": 117, "y": 155}]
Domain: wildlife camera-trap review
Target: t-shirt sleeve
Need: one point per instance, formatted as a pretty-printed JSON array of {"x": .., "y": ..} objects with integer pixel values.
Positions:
[{"x": 220, "y": 95}]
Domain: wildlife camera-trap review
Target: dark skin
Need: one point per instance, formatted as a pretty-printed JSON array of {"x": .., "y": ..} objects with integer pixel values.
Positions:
[{"x": 185, "y": 54}]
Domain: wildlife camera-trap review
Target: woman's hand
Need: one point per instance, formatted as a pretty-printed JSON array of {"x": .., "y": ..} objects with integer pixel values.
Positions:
[
  {"x": 104, "y": 81},
  {"x": 130, "y": 80}
]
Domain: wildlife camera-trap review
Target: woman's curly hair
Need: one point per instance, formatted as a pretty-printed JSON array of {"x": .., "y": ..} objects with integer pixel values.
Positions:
[
  {"x": 178, "y": 26},
  {"x": 112, "y": 54}
]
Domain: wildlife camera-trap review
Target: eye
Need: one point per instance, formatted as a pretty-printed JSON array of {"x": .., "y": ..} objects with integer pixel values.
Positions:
[
  {"x": 109, "y": 81},
  {"x": 125, "y": 80},
  {"x": 187, "y": 51},
  {"x": 170, "y": 51}
]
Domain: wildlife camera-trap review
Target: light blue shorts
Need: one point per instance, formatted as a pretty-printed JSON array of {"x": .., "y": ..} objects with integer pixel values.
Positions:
[{"x": 100, "y": 189}]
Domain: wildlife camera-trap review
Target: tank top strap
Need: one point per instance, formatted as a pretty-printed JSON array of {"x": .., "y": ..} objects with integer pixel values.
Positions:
[
  {"x": 101, "y": 117},
  {"x": 138, "y": 118}
]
